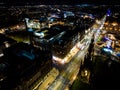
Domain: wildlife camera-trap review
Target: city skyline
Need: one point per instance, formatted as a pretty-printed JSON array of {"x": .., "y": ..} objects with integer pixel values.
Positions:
[
  {"x": 59, "y": 47},
  {"x": 60, "y": 2}
]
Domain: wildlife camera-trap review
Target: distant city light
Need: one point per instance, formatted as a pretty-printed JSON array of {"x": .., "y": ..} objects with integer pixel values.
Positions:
[
  {"x": 114, "y": 24},
  {"x": 30, "y": 29},
  {"x": 108, "y": 12},
  {"x": 107, "y": 50},
  {"x": 41, "y": 34}
]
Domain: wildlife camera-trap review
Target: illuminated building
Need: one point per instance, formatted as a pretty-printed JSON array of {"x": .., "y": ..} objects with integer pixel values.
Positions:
[
  {"x": 46, "y": 36},
  {"x": 62, "y": 46}
]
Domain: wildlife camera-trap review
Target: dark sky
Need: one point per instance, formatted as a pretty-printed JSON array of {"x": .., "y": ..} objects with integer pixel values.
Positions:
[{"x": 106, "y": 2}]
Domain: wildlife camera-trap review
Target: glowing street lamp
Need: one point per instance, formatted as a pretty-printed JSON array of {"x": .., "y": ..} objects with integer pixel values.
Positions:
[{"x": 114, "y": 24}]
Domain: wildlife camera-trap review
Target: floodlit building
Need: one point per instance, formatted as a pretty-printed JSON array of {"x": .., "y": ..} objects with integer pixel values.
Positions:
[
  {"x": 62, "y": 46},
  {"x": 46, "y": 36}
]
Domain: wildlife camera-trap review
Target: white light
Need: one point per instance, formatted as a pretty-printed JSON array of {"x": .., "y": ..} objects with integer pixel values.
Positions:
[
  {"x": 56, "y": 58},
  {"x": 41, "y": 34},
  {"x": 1, "y": 54},
  {"x": 63, "y": 62}
]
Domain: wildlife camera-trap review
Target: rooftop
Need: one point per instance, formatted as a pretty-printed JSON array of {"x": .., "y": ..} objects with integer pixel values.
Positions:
[{"x": 48, "y": 33}]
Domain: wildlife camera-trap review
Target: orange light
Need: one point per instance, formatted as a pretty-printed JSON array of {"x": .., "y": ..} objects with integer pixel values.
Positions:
[
  {"x": 114, "y": 24},
  {"x": 110, "y": 28},
  {"x": 106, "y": 23}
]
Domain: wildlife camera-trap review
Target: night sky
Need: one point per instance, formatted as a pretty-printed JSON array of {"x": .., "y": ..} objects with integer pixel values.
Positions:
[{"x": 96, "y": 2}]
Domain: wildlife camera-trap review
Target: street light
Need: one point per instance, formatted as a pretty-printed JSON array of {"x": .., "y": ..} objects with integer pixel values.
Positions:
[{"x": 114, "y": 24}]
